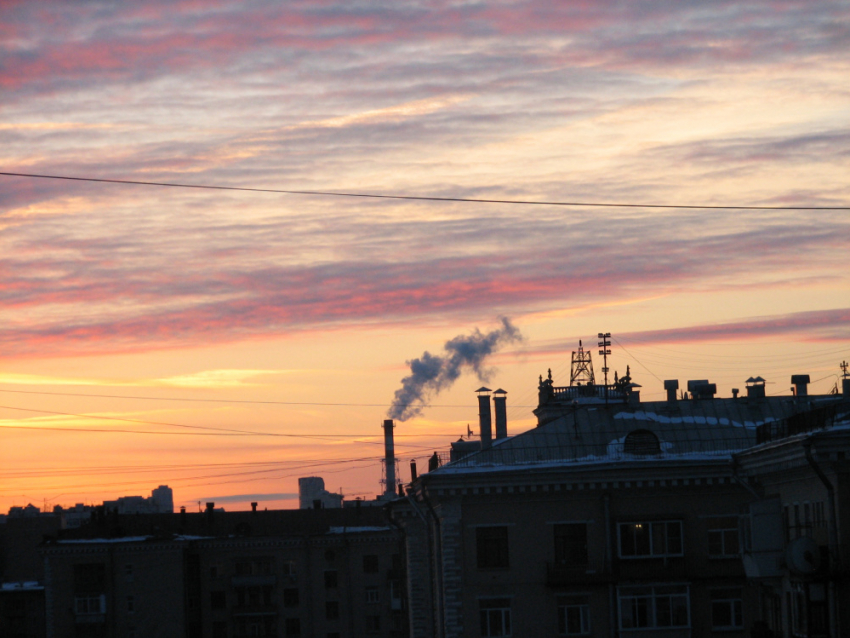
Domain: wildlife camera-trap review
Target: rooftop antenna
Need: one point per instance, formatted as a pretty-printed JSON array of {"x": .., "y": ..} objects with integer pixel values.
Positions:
[
  {"x": 581, "y": 368},
  {"x": 843, "y": 367},
  {"x": 605, "y": 350}
]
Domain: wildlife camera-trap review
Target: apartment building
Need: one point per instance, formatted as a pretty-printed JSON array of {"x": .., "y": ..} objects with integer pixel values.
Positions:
[
  {"x": 328, "y": 573},
  {"x": 620, "y": 518}
]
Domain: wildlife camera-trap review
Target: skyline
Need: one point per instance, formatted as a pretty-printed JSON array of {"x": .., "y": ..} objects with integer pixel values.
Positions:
[{"x": 198, "y": 303}]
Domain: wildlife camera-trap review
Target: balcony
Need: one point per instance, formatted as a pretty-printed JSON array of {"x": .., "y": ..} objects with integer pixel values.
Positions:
[
  {"x": 253, "y": 581},
  {"x": 560, "y": 575}
]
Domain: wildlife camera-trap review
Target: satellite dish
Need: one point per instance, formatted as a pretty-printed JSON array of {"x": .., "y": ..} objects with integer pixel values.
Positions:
[{"x": 803, "y": 556}]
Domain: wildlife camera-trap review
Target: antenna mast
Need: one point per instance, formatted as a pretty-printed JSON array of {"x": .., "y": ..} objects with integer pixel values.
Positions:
[
  {"x": 581, "y": 368},
  {"x": 605, "y": 350}
]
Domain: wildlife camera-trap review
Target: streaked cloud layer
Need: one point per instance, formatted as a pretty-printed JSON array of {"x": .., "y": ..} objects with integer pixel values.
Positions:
[{"x": 722, "y": 103}]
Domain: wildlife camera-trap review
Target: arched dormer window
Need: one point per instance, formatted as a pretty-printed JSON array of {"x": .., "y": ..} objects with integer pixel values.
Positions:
[{"x": 641, "y": 442}]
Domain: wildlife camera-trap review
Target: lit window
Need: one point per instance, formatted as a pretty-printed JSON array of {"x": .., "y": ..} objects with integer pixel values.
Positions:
[
  {"x": 495, "y": 616},
  {"x": 650, "y": 539},
  {"x": 654, "y": 606},
  {"x": 726, "y": 608}
]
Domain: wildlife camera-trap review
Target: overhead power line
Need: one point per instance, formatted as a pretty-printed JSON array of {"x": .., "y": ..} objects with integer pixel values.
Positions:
[
  {"x": 235, "y": 401},
  {"x": 424, "y": 198},
  {"x": 211, "y": 431}
]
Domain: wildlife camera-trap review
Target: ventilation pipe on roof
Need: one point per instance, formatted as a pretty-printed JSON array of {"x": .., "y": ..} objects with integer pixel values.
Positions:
[
  {"x": 671, "y": 385},
  {"x": 389, "y": 458},
  {"x": 755, "y": 388},
  {"x": 500, "y": 403},
  {"x": 484, "y": 419},
  {"x": 801, "y": 384}
]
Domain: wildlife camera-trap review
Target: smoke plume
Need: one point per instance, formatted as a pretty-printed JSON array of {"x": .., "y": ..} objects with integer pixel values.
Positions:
[{"x": 430, "y": 374}]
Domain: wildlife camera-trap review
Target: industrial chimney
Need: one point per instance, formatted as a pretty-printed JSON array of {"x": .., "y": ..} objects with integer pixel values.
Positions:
[
  {"x": 389, "y": 459},
  {"x": 500, "y": 403},
  {"x": 484, "y": 418}
]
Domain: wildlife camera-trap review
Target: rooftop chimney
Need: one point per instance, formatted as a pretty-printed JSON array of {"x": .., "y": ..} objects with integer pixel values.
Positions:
[
  {"x": 671, "y": 385},
  {"x": 484, "y": 418},
  {"x": 413, "y": 474},
  {"x": 702, "y": 389},
  {"x": 755, "y": 388},
  {"x": 253, "y": 506},
  {"x": 801, "y": 384},
  {"x": 500, "y": 403},
  {"x": 389, "y": 458}
]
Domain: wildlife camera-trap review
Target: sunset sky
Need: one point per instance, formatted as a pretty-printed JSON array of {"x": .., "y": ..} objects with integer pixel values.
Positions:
[{"x": 227, "y": 342}]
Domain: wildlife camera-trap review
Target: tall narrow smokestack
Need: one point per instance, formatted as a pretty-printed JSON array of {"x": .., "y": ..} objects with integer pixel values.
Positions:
[
  {"x": 389, "y": 458},
  {"x": 500, "y": 403},
  {"x": 484, "y": 419}
]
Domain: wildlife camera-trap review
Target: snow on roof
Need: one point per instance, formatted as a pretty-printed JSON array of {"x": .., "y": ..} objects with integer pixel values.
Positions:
[
  {"x": 357, "y": 530},
  {"x": 27, "y": 585},
  {"x": 696, "y": 429}
]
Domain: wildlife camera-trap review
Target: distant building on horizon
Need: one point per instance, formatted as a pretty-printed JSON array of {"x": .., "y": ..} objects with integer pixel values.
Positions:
[
  {"x": 161, "y": 501},
  {"x": 313, "y": 495}
]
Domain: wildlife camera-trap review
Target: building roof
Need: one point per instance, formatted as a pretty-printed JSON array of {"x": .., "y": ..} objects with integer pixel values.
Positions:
[{"x": 703, "y": 429}]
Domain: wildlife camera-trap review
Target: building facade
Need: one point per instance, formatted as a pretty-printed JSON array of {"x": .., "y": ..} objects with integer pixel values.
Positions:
[{"x": 620, "y": 518}]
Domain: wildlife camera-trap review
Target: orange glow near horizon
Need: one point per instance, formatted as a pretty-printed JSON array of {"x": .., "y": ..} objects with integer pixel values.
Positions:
[{"x": 227, "y": 343}]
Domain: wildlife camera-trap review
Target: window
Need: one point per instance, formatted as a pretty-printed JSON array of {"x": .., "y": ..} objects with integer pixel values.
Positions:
[
  {"x": 219, "y": 629},
  {"x": 641, "y": 442},
  {"x": 642, "y": 540},
  {"x": 373, "y": 623},
  {"x": 257, "y": 566},
  {"x": 726, "y": 608},
  {"x": 571, "y": 544},
  {"x": 331, "y": 579},
  {"x": 89, "y": 577},
  {"x": 495, "y": 616},
  {"x": 128, "y": 572},
  {"x": 372, "y": 595},
  {"x": 370, "y": 564},
  {"x": 573, "y": 615},
  {"x": 254, "y": 596},
  {"x": 89, "y": 605},
  {"x": 492, "y": 547},
  {"x": 654, "y": 606},
  {"x": 290, "y": 597},
  {"x": 293, "y": 626},
  {"x": 131, "y": 605},
  {"x": 723, "y": 537},
  {"x": 218, "y": 599},
  {"x": 332, "y": 610},
  {"x": 256, "y": 626}
]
